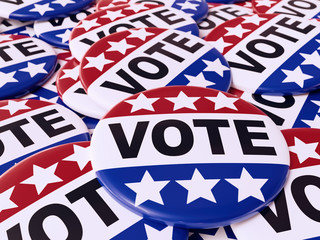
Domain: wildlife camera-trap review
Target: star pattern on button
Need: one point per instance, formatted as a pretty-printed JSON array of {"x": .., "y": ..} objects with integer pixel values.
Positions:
[
  {"x": 220, "y": 44},
  {"x": 5, "y": 201},
  {"x": 142, "y": 102},
  {"x": 183, "y": 101},
  {"x": 64, "y": 36},
  {"x": 199, "y": 80},
  {"x": 188, "y": 5},
  {"x": 136, "y": 7},
  {"x": 254, "y": 19},
  {"x": 154, "y": 234},
  {"x": 317, "y": 103},
  {"x": 113, "y": 15},
  {"x": 142, "y": 34},
  {"x": 81, "y": 156},
  {"x": 199, "y": 187},
  {"x": 215, "y": 66},
  {"x": 41, "y": 9},
  {"x": 220, "y": 235},
  {"x": 315, "y": 123},
  {"x": 5, "y": 37},
  {"x": 296, "y": 76},
  {"x": 121, "y": 46},
  {"x": 222, "y": 101},
  {"x": 304, "y": 150},
  {"x": 28, "y": 31},
  {"x": 52, "y": 100},
  {"x": 88, "y": 24},
  {"x": 153, "y": 189},
  {"x": 7, "y": 78},
  {"x": 248, "y": 186},
  {"x": 15, "y": 106},
  {"x": 71, "y": 73},
  {"x": 266, "y": 3},
  {"x": 34, "y": 69},
  {"x": 97, "y": 62},
  {"x": 311, "y": 59},
  {"x": 63, "y": 3},
  {"x": 236, "y": 31},
  {"x": 42, "y": 177}
]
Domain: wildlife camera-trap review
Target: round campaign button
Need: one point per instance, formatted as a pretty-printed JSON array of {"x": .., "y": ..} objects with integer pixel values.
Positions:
[
  {"x": 295, "y": 212},
  {"x": 134, "y": 60},
  {"x": 306, "y": 8},
  {"x": 219, "y": 13},
  {"x": 39, "y": 9},
  {"x": 72, "y": 93},
  {"x": 66, "y": 201},
  {"x": 273, "y": 54},
  {"x": 56, "y": 31},
  {"x": 290, "y": 111},
  {"x": 197, "y": 9},
  {"x": 10, "y": 26},
  {"x": 122, "y": 17},
  {"x": 190, "y": 156},
  {"x": 28, "y": 126},
  {"x": 25, "y": 63}
]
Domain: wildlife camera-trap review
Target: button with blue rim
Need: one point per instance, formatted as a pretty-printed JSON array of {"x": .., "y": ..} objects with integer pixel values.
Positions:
[
  {"x": 134, "y": 60},
  {"x": 197, "y": 9},
  {"x": 295, "y": 212},
  {"x": 189, "y": 156},
  {"x": 305, "y": 9},
  {"x": 56, "y": 31},
  {"x": 39, "y": 9},
  {"x": 66, "y": 201},
  {"x": 122, "y": 17},
  {"x": 29, "y": 126},
  {"x": 25, "y": 63},
  {"x": 273, "y": 54}
]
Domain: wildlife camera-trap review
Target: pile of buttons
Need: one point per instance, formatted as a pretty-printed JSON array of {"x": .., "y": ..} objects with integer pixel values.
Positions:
[{"x": 160, "y": 120}]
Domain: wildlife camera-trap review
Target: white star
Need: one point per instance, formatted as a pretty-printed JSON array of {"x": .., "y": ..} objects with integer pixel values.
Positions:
[
  {"x": 64, "y": 36},
  {"x": 5, "y": 37},
  {"x": 182, "y": 100},
  {"x": 41, "y": 9},
  {"x": 121, "y": 46},
  {"x": 199, "y": 187},
  {"x": 304, "y": 150},
  {"x": 5, "y": 201},
  {"x": 220, "y": 44},
  {"x": 81, "y": 156},
  {"x": 215, "y": 66},
  {"x": 220, "y": 235},
  {"x": 311, "y": 59},
  {"x": 6, "y": 78},
  {"x": 52, "y": 100},
  {"x": 188, "y": 5},
  {"x": 88, "y": 24},
  {"x": 248, "y": 186},
  {"x": 296, "y": 76},
  {"x": 318, "y": 41},
  {"x": 248, "y": 5},
  {"x": 98, "y": 62},
  {"x": 15, "y": 106},
  {"x": 34, "y": 69},
  {"x": 154, "y": 234},
  {"x": 254, "y": 19},
  {"x": 317, "y": 103},
  {"x": 28, "y": 31},
  {"x": 236, "y": 31},
  {"x": 266, "y": 3},
  {"x": 112, "y": 15},
  {"x": 136, "y": 7},
  {"x": 42, "y": 177},
  {"x": 198, "y": 80},
  {"x": 63, "y": 2},
  {"x": 222, "y": 101},
  {"x": 315, "y": 123},
  {"x": 71, "y": 73},
  {"x": 139, "y": 33},
  {"x": 147, "y": 189},
  {"x": 142, "y": 102}
]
